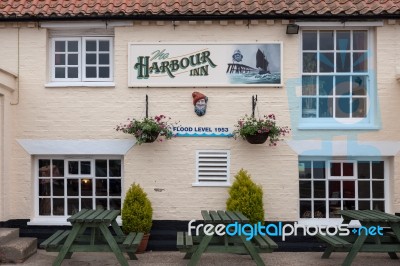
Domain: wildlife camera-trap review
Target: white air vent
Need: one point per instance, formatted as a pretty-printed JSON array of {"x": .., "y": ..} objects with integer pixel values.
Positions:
[{"x": 212, "y": 167}]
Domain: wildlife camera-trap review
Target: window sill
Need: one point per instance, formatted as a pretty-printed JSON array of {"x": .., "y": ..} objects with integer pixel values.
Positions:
[
  {"x": 323, "y": 126},
  {"x": 80, "y": 84},
  {"x": 61, "y": 220},
  {"x": 211, "y": 184},
  {"x": 326, "y": 222}
]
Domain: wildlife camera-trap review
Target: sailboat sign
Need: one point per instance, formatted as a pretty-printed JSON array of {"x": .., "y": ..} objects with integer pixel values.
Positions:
[{"x": 205, "y": 65}]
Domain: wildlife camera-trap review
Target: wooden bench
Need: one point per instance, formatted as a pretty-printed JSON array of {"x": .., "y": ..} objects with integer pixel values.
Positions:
[
  {"x": 264, "y": 243},
  {"x": 335, "y": 243},
  {"x": 55, "y": 241},
  {"x": 184, "y": 242}
]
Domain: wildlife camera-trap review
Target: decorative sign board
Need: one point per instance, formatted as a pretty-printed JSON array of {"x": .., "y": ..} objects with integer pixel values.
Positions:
[
  {"x": 205, "y": 65},
  {"x": 202, "y": 131}
]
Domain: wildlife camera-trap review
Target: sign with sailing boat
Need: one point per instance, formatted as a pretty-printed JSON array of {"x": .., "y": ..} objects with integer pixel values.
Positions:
[{"x": 205, "y": 65}]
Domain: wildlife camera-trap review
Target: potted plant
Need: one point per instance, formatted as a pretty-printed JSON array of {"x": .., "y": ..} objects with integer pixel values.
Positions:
[
  {"x": 257, "y": 131},
  {"x": 137, "y": 214},
  {"x": 247, "y": 197},
  {"x": 148, "y": 129}
]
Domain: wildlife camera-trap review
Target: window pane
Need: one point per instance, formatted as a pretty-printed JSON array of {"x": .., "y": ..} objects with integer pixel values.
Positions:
[
  {"x": 101, "y": 203},
  {"x": 91, "y": 72},
  {"x": 86, "y": 203},
  {"x": 58, "y": 168},
  {"x": 309, "y": 40},
  {"x": 44, "y": 168},
  {"x": 379, "y": 205},
  {"x": 60, "y": 46},
  {"x": 115, "y": 168},
  {"x": 326, "y": 40},
  {"x": 378, "y": 169},
  {"x": 305, "y": 169},
  {"x": 360, "y": 40},
  {"x": 336, "y": 169},
  {"x": 73, "y": 59},
  {"x": 334, "y": 189},
  {"x": 59, "y": 59},
  {"x": 378, "y": 190},
  {"x": 73, "y": 72},
  {"x": 349, "y": 205},
  {"x": 101, "y": 168},
  {"x": 359, "y": 85},
  {"x": 334, "y": 208},
  {"x": 58, "y": 187},
  {"x": 325, "y": 107},
  {"x": 319, "y": 189},
  {"x": 86, "y": 167},
  {"x": 91, "y": 59},
  {"x": 73, "y": 206},
  {"x": 319, "y": 170},
  {"x": 58, "y": 206},
  {"x": 364, "y": 205},
  {"x": 72, "y": 187},
  {"x": 310, "y": 62},
  {"x": 91, "y": 46},
  {"x": 348, "y": 169},
  {"x": 73, "y": 167},
  {"x": 101, "y": 187},
  {"x": 72, "y": 46},
  {"x": 44, "y": 206},
  {"x": 359, "y": 107},
  {"x": 305, "y": 189},
  {"x": 60, "y": 72},
  {"x": 86, "y": 187},
  {"x": 326, "y": 63},
  {"x": 364, "y": 190},
  {"x": 115, "y": 204},
  {"x": 44, "y": 187},
  {"x": 342, "y": 107},
  {"x": 104, "y": 72},
  {"x": 343, "y": 62},
  {"x": 319, "y": 209},
  {"x": 104, "y": 59},
  {"x": 349, "y": 189},
  {"x": 104, "y": 45},
  {"x": 363, "y": 170},
  {"x": 360, "y": 62},
  {"x": 342, "y": 85},
  {"x": 342, "y": 40},
  {"x": 309, "y": 85},
  {"x": 305, "y": 209},
  {"x": 115, "y": 187},
  {"x": 309, "y": 107},
  {"x": 325, "y": 85}
]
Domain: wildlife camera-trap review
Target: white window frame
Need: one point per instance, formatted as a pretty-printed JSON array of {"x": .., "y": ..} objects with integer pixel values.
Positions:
[
  {"x": 62, "y": 219},
  {"x": 369, "y": 122},
  {"x": 328, "y": 177},
  {"x": 200, "y": 182},
  {"x": 82, "y": 61},
  {"x": 53, "y": 57}
]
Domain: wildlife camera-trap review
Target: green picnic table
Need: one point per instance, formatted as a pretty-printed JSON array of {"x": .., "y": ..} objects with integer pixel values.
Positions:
[
  {"x": 367, "y": 238},
  {"x": 99, "y": 239},
  {"x": 195, "y": 245}
]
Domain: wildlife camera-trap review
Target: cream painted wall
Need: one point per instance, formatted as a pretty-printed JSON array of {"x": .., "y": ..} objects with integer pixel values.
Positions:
[{"x": 92, "y": 113}]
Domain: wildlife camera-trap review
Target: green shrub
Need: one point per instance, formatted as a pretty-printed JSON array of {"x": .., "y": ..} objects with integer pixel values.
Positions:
[
  {"x": 247, "y": 197},
  {"x": 137, "y": 212}
]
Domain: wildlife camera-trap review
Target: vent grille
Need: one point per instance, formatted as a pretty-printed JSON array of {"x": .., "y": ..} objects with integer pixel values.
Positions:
[{"x": 213, "y": 166}]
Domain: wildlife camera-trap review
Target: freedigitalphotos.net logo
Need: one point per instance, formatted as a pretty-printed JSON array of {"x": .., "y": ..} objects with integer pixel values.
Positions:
[{"x": 279, "y": 230}]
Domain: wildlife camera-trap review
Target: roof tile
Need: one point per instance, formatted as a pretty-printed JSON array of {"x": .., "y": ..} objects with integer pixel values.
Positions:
[{"x": 79, "y": 8}]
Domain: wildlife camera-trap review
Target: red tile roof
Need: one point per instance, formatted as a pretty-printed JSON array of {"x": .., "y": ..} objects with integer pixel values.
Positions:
[{"x": 42, "y": 9}]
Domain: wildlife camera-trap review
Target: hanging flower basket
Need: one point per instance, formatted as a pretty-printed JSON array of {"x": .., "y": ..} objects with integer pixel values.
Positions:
[
  {"x": 257, "y": 131},
  {"x": 148, "y": 129},
  {"x": 258, "y": 138}
]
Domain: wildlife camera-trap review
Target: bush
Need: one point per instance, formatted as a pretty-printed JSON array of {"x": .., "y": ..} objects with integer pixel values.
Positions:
[
  {"x": 137, "y": 212},
  {"x": 247, "y": 197}
]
